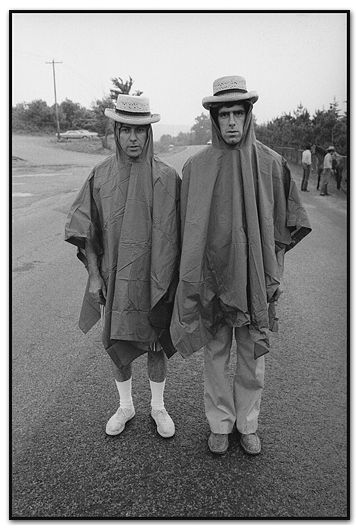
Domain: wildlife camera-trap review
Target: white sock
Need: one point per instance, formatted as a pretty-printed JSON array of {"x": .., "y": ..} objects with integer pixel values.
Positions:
[
  {"x": 124, "y": 388},
  {"x": 157, "y": 390}
]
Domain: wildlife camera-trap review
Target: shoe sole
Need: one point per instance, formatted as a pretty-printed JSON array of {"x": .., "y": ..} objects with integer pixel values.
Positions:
[
  {"x": 166, "y": 435},
  {"x": 218, "y": 452},
  {"x": 123, "y": 427}
]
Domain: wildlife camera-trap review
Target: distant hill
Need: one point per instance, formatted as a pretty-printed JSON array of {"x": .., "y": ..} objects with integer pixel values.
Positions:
[{"x": 161, "y": 129}]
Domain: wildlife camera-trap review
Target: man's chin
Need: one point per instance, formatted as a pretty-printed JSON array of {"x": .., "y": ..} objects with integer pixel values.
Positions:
[
  {"x": 133, "y": 153},
  {"x": 232, "y": 141}
]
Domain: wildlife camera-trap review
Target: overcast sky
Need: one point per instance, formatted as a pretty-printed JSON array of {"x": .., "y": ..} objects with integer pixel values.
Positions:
[{"x": 288, "y": 58}]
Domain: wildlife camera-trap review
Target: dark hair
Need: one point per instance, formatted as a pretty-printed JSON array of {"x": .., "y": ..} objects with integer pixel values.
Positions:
[{"x": 214, "y": 109}]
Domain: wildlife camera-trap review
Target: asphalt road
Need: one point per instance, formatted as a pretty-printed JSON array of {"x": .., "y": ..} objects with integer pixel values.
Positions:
[{"x": 63, "y": 464}]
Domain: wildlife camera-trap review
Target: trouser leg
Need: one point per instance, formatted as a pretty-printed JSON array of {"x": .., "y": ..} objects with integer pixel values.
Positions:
[
  {"x": 338, "y": 178},
  {"x": 323, "y": 183},
  {"x": 303, "y": 181},
  {"x": 306, "y": 173},
  {"x": 306, "y": 177},
  {"x": 248, "y": 383},
  {"x": 325, "y": 178},
  {"x": 218, "y": 396}
]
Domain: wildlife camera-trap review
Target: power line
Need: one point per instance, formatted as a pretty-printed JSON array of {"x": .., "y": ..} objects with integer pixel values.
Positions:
[{"x": 53, "y": 62}]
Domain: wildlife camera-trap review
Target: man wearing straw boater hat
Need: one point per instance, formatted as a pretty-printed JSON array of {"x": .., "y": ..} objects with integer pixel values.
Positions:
[
  {"x": 327, "y": 172},
  {"x": 240, "y": 213},
  {"x": 125, "y": 224}
]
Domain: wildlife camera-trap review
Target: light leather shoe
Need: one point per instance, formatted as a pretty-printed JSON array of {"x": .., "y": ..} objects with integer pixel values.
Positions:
[
  {"x": 165, "y": 424},
  {"x": 218, "y": 443},
  {"x": 251, "y": 443},
  {"x": 117, "y": 422}
]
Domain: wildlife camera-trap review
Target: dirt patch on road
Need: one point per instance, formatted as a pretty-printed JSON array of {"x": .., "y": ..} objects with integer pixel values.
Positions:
[{"x": 24, "y": 167}]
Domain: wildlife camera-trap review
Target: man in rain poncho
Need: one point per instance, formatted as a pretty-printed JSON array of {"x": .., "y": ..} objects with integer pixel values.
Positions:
[
  {"x": 125, "y": 224},
  {"x": 240, "y": 213}
]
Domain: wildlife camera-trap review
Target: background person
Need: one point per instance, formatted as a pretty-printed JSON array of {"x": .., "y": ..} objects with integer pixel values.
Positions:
[
  {"x": 327, "y": 173},
  {"x": 338, "y": 167},
  {"x": 306, "y": 163}
]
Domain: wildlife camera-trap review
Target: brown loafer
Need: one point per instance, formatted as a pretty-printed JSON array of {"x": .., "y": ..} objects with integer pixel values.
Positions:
[
  {"x": 218, "y": 443},
  {"x": 251, "y": 443}
]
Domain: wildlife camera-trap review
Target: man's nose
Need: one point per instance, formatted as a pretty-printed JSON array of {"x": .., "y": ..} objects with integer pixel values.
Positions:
[
  {"x": 132, "y": 135},
  {"x": 231, "y": 118}
]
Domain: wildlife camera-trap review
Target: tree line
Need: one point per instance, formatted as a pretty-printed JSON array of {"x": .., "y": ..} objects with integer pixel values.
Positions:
[
  {"x": 295, "y": 129},
  {"x": 298, "y": 129}
]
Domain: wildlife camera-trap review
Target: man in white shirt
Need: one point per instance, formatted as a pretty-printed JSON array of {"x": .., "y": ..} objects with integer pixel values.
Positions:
[
  {"x": 306, "y": 162},
  {"x": 327, "y": 171}
]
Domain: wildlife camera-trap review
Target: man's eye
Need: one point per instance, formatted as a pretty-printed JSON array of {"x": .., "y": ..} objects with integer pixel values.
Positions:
[
  {"x": 239, "y": 113},
  {"x": 224, "y": 115}
]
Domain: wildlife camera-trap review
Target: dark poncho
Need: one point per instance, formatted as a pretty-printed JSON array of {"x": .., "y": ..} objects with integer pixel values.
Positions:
[
  {"x": 129, "y": 209},
  {"x": 240, "y": 212}
]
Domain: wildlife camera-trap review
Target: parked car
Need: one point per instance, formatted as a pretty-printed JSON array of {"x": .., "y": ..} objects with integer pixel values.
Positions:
[{"x": 78, "y": 134}]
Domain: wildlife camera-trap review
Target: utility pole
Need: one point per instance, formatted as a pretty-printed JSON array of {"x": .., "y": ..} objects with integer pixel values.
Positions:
[{"x": 55, "y": 96}]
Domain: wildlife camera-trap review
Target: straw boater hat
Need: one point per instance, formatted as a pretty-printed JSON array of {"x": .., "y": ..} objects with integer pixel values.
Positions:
[
  {"x": 330, "y": 148},
  {"x": 228, "y": 90},
  {"x": 132, "y": 110}
]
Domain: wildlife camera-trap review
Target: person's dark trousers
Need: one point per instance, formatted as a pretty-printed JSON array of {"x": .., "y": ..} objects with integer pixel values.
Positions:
[
  {"x": 306, "y": 173},
  {"x": 338, "y": 176},
  {"x": 319, "y": 176}
]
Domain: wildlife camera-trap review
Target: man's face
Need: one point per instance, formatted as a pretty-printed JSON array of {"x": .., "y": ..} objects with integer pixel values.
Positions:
[
  {"x": 132, "y": 139},
  {"x": 231, "y": 121}
]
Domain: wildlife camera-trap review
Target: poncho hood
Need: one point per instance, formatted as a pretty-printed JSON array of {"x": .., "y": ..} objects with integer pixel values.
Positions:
[
  {"x": 248, "y": 136},
  {"x": 240, "y": 213},
  {"x": 147, "y": 151}
]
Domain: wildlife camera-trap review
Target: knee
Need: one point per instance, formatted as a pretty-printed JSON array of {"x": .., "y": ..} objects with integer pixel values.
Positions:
[
  {"x": 122, "y": 373},
  {"x": 157, "y": 357}
]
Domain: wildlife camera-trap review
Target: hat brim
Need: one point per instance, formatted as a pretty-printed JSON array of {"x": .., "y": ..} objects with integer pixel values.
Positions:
[
  {"x": 207, "y": 102},
  {"x": 132, "y": 120}
]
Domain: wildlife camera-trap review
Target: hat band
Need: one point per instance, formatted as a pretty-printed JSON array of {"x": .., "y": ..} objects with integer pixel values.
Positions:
[
  {"x": 138, "y": 114},
  {"x": 237, "y": 90}
]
